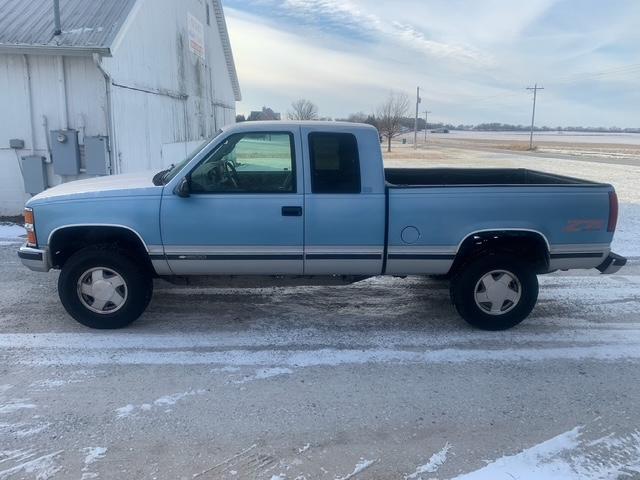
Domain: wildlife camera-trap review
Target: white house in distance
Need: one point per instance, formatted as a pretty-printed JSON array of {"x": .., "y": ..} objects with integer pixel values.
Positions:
[{"x": 107, "y": 86}]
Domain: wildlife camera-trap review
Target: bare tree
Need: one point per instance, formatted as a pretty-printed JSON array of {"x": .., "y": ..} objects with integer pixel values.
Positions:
[
  {"x": 303, "y": 109},
  {"x": 390, "y": 114}
]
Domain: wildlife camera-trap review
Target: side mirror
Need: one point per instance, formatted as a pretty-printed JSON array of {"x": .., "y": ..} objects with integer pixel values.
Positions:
[{"x": 183, "y": 190}]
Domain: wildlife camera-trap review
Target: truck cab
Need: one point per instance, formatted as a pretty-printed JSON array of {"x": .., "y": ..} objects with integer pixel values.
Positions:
[{"x": 278, "y": 199}]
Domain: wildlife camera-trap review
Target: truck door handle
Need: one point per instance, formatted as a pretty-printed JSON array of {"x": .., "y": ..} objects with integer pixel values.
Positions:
[{"x": 291, "y": 211}]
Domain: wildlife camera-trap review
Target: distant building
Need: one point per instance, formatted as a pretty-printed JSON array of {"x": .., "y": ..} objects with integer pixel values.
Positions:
[
  {"x": 123, "y": 86},
  {"x": 265, "y": 114}
]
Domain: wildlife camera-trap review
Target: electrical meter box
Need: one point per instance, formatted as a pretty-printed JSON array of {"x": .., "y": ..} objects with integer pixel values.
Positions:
[
  {"x": 65, "y": 152},
  {"x": 34, "y": 173},
  {"x": 96, "y": 155}
]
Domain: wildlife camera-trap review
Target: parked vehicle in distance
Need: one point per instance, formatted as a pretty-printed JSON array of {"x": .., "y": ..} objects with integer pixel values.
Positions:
[
  {"x": 440, "y": 130},
  {"x": 312, "y": 201}
]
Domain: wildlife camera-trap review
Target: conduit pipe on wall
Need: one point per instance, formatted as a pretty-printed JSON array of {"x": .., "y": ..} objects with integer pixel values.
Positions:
[
  {"x": 62, "y": 93},
  {"x": 27, "y": 81},
  {"x": 113, "y": 152}
]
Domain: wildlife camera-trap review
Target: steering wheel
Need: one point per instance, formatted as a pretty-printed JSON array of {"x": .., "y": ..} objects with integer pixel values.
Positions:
[{"x": 231, "y": 173}]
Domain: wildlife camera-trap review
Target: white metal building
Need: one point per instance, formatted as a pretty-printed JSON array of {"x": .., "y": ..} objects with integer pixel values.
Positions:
[{"x": 145, "y": 78}]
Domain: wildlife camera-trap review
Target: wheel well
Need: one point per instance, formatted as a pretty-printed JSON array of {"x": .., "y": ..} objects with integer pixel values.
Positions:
[
  {"x": 528, "y": 246},
  {"x": 67, "y": 241}
]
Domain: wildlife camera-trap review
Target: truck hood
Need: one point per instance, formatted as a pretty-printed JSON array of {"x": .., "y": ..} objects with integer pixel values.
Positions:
[{"x": 133, "y": 184}]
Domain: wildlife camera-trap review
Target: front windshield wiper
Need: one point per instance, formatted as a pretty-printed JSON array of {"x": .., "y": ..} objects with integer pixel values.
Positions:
[{"x": 159, "y": 178}]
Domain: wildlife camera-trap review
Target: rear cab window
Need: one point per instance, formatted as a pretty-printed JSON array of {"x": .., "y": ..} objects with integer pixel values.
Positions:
[{"x": 334, "y": 162}]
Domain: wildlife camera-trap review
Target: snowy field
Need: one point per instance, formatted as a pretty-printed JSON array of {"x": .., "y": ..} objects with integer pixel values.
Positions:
[
  {"x": 623, "y": 148},
  {"x": 564, "y": 137},
  {"x": 377, "y": 380}
]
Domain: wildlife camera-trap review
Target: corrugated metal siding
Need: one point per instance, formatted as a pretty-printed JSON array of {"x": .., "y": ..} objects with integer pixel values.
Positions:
[
  {"x": 183, "y": 97},
  {"x": 163, "y": 94},
  {"x": 85, "y": 23}
]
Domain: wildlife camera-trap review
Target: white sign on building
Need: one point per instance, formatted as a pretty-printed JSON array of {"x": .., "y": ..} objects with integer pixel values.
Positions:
[{"x": 196, "y": 35}]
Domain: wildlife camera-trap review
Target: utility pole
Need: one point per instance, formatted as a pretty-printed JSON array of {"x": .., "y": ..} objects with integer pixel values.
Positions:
[
  {"x": 426, "y": 124},
  {"x": 535, "y": 89},
  {"x": 415, "y": 125}
]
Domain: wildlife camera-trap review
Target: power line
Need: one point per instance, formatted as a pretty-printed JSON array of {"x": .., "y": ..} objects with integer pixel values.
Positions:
[
  {"x": 426, "y": 123},
  {"x": 535, "y": 89},
  {"x": 415, "y": 125}
]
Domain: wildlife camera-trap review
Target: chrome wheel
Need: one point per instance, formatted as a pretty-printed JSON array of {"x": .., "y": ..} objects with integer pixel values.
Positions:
[
  {"x": 498, "y": 292},
  {"x": 102, "y": 290}
]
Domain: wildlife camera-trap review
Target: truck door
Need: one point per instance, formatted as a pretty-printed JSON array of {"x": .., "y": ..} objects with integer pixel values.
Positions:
[
  {"x": 244, "y": 213},
  {"x": 344, "y": 203}
]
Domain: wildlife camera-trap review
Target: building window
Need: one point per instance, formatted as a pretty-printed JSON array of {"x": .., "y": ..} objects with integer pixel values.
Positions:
[
  {"x": 208, "y": 14},
  {"x": 335, "y": 166}
]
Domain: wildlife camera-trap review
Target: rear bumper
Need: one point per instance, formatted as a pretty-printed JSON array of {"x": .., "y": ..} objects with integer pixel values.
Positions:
[
  {"x": 34, "y": 259},
  {"x": 612, "y": 263}
]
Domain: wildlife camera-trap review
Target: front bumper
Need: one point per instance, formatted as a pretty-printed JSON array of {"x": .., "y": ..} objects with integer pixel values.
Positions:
[
  {"x": 34, "y": 259},
  {"x": 612, "y": 263}
]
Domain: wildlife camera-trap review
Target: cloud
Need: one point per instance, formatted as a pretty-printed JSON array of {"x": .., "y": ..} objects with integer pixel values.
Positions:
[
  {"x": 472, "y": 59},
  {"x": 350, "y": 19}
]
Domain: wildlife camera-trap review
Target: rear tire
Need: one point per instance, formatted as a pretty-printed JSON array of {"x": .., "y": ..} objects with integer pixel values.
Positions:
[
  {"x": 104, "y": 287},
  {"x": 495, "y": 292}
]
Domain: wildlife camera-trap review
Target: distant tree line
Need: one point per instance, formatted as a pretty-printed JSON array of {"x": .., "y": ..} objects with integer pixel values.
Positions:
[
  {"x": 392, "y": 118},
  {"x": 505, "y": 127}
]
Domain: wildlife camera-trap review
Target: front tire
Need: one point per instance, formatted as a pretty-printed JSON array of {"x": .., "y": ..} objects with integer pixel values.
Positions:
[
  {"x": 104, "y": 287},
  {"x": 495, "y": 292}
]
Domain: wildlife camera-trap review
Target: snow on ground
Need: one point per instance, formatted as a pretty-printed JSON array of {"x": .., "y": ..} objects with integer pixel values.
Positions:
[
  {"x": 336, "y": 357},
  {"x": 93, "y": 454},
  {"x": 360, "y": 467},
  {"x": 632, "y": 139},
  {"x": 627, "y": 237},
  {"x": 582, "y": 317},
  {"x": 41, "y": 468},
  {"x": 306, "y": 447},
  {"x": 579, "y": 302},
  {"x": 11, "y": 233},
  {"x": 568, "y": 456},
  {"x": 432, "y": 466},
  {"x": 162, "y": 402},
  {"x": 15, "y": 405},
  {"x": 22, "y": 430}
]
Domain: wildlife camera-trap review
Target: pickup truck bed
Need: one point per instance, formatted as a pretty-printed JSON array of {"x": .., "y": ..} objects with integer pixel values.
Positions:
[
  {"x": 424, "y": 177},
  {"x": 456, "y": 202}
]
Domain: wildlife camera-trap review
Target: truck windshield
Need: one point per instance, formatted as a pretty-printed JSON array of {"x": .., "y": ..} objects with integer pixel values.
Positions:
[{"x": 165, "y": 176}]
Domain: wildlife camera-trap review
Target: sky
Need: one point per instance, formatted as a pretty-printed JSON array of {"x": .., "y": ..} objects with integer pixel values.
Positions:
[{"x": 473, "y": 59}]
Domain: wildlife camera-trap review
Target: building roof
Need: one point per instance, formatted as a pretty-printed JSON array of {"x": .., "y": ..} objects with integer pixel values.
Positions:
[
  {"x": 226, "y": 46},
  {"x": 88, "y": 26}
]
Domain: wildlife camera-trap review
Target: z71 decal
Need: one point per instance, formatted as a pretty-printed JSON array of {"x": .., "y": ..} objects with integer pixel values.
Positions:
[{"x": 584, "y": 225}]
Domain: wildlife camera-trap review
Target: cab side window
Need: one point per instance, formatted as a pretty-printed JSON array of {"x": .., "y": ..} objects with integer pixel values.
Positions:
[
  {"x": 261, "y": 162},
  {"x": 335, "y": 163}
]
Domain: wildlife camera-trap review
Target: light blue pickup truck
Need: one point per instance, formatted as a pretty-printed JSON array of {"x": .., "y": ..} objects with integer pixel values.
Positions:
[{"x": 312, "y": 200}]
